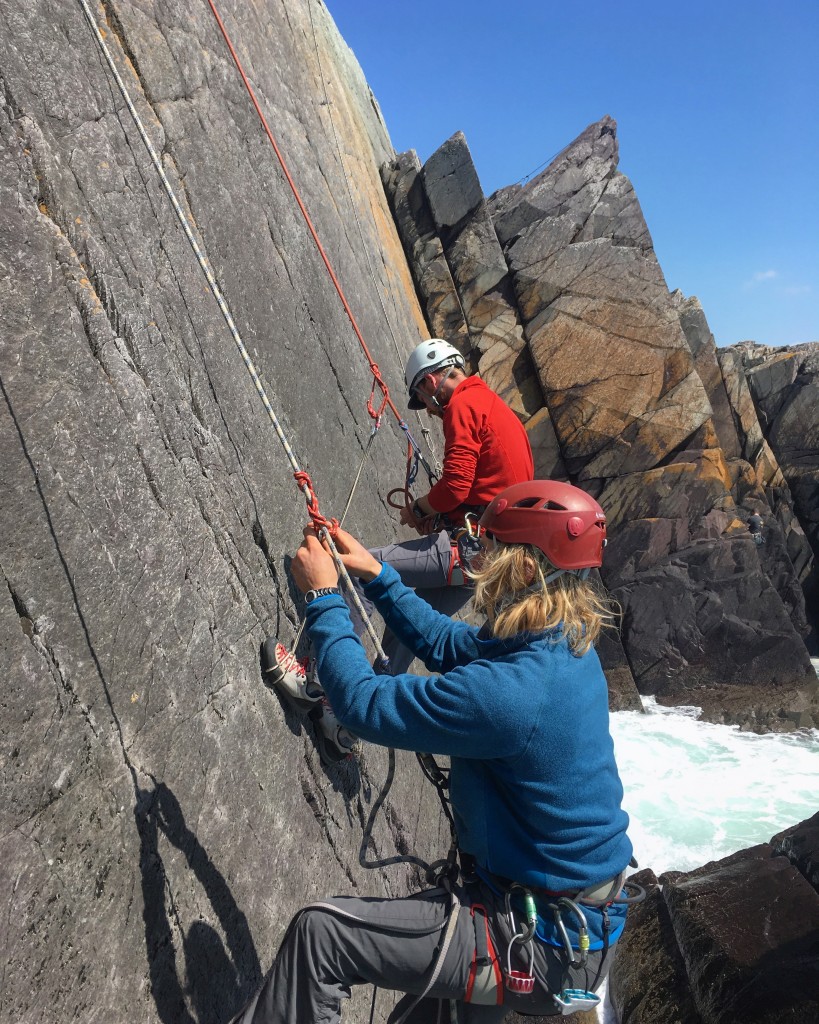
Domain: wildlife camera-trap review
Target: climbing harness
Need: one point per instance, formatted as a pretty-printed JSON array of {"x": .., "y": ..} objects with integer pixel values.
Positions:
[
  {"x": 326, "y": 528},
  {"x": 599, "y": 896}
]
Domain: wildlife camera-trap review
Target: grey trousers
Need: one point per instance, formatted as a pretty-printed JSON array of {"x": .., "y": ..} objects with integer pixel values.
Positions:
[
  {"x": 423, "y": 564},
  {"x": 393, "y": 944}
]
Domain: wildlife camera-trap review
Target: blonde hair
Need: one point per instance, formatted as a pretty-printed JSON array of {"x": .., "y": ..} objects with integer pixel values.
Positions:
[{"x": 516, "y": 601}]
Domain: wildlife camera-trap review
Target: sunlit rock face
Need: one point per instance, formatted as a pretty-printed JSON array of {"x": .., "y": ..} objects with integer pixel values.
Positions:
[
  {"x": 162, "y": 813},
  {"x": 645, "y": 417}
]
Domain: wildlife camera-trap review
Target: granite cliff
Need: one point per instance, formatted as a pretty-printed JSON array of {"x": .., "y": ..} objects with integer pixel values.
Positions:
[{"x": 162, "y": 813}]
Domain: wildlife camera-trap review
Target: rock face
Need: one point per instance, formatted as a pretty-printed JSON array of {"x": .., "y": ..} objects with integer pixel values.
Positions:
[
  {"x": 783, "y": 388},
  {"x": 733, "y": 942},
  {"x": 162, "y": 814},
  {"x": 644, "y": 415}
]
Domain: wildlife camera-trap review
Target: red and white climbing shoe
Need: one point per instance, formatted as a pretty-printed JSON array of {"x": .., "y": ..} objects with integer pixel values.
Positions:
[
  {"x": 293, "y": 677},
  {"x": 335, "y": 743}
]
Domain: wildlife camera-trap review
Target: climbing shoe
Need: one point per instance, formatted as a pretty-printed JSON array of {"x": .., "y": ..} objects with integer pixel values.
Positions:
[
  {"x": 335, "y": 743},
  {"x": 293, "y": 677}
]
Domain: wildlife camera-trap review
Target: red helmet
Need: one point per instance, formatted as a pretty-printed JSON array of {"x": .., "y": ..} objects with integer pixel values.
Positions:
[{"x": 566, "y": 524}]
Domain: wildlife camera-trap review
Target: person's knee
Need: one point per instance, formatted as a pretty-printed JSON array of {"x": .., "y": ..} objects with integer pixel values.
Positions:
[{"x": 315, "y": 935}]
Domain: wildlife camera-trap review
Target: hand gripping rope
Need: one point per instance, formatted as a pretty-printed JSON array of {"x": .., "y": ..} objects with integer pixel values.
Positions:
[{"x": 324, "y": 527}]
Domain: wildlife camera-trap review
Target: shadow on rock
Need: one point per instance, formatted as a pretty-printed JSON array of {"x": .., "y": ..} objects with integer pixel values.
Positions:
[{"x": 221, "y": 974}]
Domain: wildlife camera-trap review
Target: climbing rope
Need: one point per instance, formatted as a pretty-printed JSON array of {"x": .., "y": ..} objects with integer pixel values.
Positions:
[
  {"x": 325, "y": 528},
  {"x": 378, "y": 381},
  {"x": 364, "y": 247}
]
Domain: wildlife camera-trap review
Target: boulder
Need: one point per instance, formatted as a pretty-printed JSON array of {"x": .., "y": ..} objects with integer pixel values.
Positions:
[
  {"x": 733, "y": 942},
  {"x": 648, "y": 982},
  {"x": 748, "y": 930},
  {"x": 800, "y": 844}
]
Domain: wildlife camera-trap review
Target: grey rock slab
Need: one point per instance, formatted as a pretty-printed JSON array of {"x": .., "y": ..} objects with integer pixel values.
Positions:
[
  {"x": 451, "y": 183},
  {"x": 424, "y": 250},
  {"x": 164, "y": 814}
]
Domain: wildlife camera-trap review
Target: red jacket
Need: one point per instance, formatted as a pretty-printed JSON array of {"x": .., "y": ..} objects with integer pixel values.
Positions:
[{"x": 486, "y": 448}]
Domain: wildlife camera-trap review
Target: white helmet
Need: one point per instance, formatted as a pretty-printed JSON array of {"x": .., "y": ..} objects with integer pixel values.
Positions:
[{"x": 427, "y": 357}]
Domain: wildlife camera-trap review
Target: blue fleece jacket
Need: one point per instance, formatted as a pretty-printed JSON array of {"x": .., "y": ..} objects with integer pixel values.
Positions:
[{"x": 534, "y": 785}]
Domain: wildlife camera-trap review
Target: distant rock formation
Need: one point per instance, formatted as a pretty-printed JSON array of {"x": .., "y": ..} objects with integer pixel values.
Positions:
[
  {"x": 733, "y": 942},
  {"x": 783, "y": 388},
  {"x": 623, "y": 380}
]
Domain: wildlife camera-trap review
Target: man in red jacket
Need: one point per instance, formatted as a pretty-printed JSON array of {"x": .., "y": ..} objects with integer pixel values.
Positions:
[
  {"x": 486, "y": 449},
  {"x": 486, "y": 446}
]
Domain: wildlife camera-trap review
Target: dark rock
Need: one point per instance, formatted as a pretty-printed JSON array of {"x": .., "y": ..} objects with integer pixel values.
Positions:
[
  {"x": 424, "y": 251},
  {"x": 452, "y": 185},
  {"x": 800, "y": 844},
  {"x": 784, "y": 385},
  {"x": 748, "y": 930},
  {"x": 699, "y": 612},
  {"x": 623, "y": 692},
  {"x": 648, "y": 982},
  {"x": 735, "y": 941}
]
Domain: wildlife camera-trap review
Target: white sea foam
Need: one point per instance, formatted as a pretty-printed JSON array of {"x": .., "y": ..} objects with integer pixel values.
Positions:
[{"x": 696, "y": 792}]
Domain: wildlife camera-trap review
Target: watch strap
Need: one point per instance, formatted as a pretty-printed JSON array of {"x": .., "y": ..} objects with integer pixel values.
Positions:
[{"x": 311, "y": 595}]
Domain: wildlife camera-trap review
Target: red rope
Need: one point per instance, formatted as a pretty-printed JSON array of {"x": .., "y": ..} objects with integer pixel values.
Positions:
[
  {"x": 319, "y": 521},
  {"x": 377, "y": 380}
]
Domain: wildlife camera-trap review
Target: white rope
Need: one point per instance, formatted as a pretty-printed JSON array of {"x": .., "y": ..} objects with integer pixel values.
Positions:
[{"x": 223, "y": 306}]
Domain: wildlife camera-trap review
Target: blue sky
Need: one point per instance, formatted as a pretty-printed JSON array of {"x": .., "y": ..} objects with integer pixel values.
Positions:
[{"x": 717, "y": 106}]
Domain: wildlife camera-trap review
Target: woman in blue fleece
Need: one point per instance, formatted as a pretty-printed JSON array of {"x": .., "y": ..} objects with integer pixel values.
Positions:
[{"x": 521, "y": 709}]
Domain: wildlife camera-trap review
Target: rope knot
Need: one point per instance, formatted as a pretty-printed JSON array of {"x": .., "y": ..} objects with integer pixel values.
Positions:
[
  {"x": 319, "y": 521},
  {"x": 385, "y": 393}
]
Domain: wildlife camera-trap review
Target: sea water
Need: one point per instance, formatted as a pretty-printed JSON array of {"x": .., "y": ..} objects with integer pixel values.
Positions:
[{"x": 696, "y": 792}]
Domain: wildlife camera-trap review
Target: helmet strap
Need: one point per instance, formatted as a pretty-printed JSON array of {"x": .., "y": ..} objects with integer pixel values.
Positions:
[
  {"x": 582, "y": 574},
  {"x": 433, "y": 398}
]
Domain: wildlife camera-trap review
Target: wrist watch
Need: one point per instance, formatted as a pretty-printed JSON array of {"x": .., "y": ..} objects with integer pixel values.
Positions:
[{"x": 311, "y": 595}]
